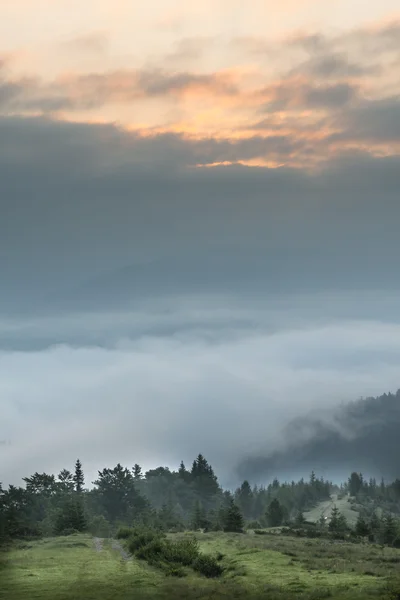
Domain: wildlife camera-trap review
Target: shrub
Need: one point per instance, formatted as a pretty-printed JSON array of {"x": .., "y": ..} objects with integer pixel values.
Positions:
[
  {"x": 141, "y": 537},
  {"x": 69, "y": 531},
  {"x": 260, "y": 532},
  {"x": 124, "y": 533},
  {"x": 253, "y": 525},
  {"x": 153, "y": 552},
  {"x": 208, "y": 566},
  {"x": 175, "y": 572},
  {"x": 183, "y": 552},
  {"x": 99, "y": 526}
]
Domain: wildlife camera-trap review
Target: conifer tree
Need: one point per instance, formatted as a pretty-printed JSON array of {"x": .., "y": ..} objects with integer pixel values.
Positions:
[
  {"x": 233, "y": 519},
  {"x": 275, "y": 513},
  {"x": 79, "y": 479},
  {"x": 362, "y": 528},
  {"x": 137, "y": 472},
  {"x": 338, "y": 521}
]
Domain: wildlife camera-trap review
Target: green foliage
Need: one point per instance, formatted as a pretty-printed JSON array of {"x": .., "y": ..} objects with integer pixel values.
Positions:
[
  {"x": 300, "y": 519},
  {"x": 70, "y": 516},
  {"x": 275, "y": 513},
  {"x": 362, "y": 528},
  {"x": 390, "y": 530},
  {"x": 199, "y": 518},
  {"x": 208, "y": 566},
  {"x": 78, "y": 478},
  {"x": 233, "y": 519},
  {"x": 99, "y": 526},
  {"x": 124, "y": 533},
  {"x": 338, "y": 523},
  {"x": 141, "y": 537},
  {"x": 117, "y": 495},
  {"x": 182, "y": 552},
  {"x": 355, "y": 483}
]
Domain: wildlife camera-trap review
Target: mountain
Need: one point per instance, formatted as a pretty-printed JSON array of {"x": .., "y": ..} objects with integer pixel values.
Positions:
[
  {"x": 215, "y": 269},
  {"x": 362, "y": 436}
]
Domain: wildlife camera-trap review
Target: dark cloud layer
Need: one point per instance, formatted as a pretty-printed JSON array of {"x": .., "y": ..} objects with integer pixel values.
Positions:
[{"x": 80, "y": 200}]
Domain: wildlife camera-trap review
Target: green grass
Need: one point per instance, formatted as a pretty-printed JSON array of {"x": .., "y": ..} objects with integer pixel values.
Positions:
[
  {"x": 325, "y": 509},
  {"x": 273, "y": 567}
]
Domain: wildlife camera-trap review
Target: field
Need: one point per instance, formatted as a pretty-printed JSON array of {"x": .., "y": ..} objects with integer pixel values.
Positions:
[
  {"x": 324, "y": 509},
  {"x": 256, "y": 566}
]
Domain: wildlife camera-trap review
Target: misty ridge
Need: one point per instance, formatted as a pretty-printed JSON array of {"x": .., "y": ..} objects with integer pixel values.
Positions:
[
  {"x": 363, "y": 433},
  {"x": 243, "y": 378}
]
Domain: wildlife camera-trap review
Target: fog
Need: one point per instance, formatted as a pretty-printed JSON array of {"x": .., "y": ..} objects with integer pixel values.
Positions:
[{"x": 163, "y": 382}]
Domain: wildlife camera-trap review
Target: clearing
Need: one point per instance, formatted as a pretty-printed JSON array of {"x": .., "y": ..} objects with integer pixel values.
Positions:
[{"x": 256, "y": 566}]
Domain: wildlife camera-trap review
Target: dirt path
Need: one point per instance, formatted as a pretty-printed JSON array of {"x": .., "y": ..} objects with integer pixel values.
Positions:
[
  {"x": 98, "y": 544},
  {"x": 117, "y": 546}
]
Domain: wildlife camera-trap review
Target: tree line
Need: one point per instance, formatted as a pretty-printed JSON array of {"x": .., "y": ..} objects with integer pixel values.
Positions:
[{"x": 173, "y": 500}]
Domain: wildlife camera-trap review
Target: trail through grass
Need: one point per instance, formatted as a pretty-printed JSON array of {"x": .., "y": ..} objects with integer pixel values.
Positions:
[{"x": 272, "y": 567}]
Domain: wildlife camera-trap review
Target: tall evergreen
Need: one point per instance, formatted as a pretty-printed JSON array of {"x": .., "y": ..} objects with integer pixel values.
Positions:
[
  {"x": 245, "y": 499},
  {"x": 79, "y": 479},
  {"x": 338, "y": 522},
  {"x": 233, "y": 519},
  {"x": 137, "y": 472},
  {"x": 275, "y": 513}
]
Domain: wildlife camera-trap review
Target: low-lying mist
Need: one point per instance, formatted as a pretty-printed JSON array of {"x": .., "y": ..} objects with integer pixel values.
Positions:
[{"x": 164, "y": 382}]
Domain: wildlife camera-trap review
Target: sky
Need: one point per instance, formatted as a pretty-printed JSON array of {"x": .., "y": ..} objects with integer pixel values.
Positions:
[{"x": 199, "y": 218}]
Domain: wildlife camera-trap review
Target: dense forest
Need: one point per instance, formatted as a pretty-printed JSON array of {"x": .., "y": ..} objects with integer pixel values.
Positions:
[
  {"x": 188, "y": 499},
  {"x": 362, "y": 435}
]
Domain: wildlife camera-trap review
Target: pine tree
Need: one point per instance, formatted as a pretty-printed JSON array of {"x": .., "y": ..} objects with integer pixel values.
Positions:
[
  {"x": 300, "y": 518},
  {"x": 355, "y": 483},
  {"x": 390, "y": 529},
  {"x": 71, "y": 516},
  {"x": 199, "y": 517},
  {"x": 245, "y": 499},
  {"x": 338, "y": 522},
  {"x": 204, "y": 480},
  {"x": 79, "y": 479},
  {"x": 275, "y": 513},
  {"x": 137, "y": 472},
  {"x": 362, "y": 528},
  {"x": 183, "y": 473},
  {"x": 233, "y": 519}
]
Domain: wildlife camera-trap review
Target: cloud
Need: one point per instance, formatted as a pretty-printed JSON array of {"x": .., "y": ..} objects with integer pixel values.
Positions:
[
  {"x": 92, "y": 43},
  {"x": 296, "y": 94},
  {"x": 80, "y": 199},
  {"x": 214, "y": 387},
  {"x": 99, "y": 89}
]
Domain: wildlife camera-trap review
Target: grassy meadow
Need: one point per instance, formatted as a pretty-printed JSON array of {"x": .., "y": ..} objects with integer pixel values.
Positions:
[{"x": 267, "y": 566}]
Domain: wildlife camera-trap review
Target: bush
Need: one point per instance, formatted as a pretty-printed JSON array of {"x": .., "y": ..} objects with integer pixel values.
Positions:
[
  {"x": 99, "y": 526},
  {"x": 253, "y": 525},
  {"x": 260, "y": 532},
  {"x": 141, "y": 537},
  {"x": 153, "y": 552},
  {"x": 175, "y": 572},
  {"x": 124, "y": 533},
  {"x": 183, "y": 552},
  {"x": 208, "y": 566},
  {"x": 68, "y": 531}
]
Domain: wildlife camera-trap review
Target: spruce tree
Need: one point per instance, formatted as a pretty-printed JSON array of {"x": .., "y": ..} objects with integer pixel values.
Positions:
[
  {"x": 79, "y": 479},
  {"x": 137, "y": 472},
  {"x": 300, "y": 518},
  {"x": 233, "y": 519},
  {"x": 390, "y": 529},
  {"x": 199, "y": 517},
  {"x": 275, "y": 513},
  {"x": 362, "y": 528},
  {"x": 338, "y": 523}
]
